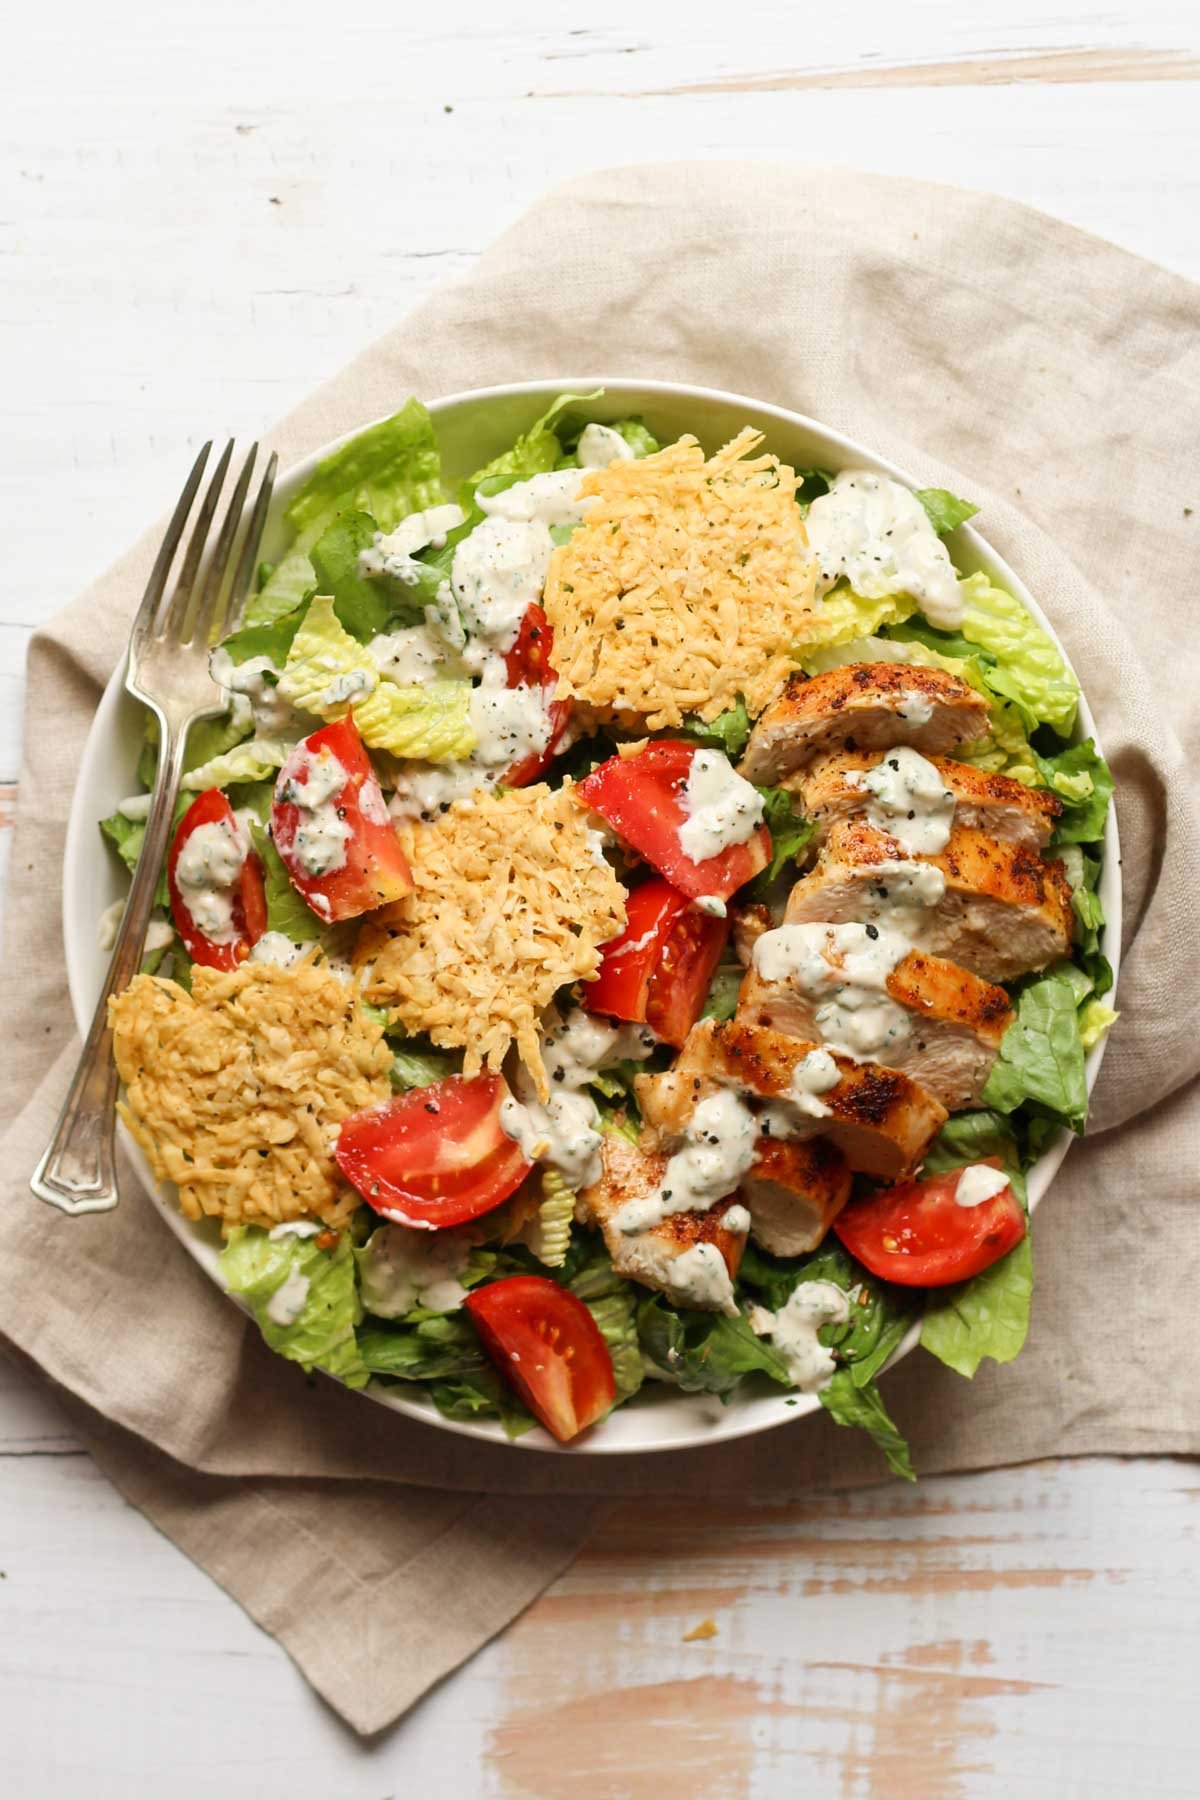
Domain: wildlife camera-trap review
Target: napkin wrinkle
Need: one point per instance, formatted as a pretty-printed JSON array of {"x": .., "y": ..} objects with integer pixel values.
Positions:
[{"x": 1046, "y": 375}]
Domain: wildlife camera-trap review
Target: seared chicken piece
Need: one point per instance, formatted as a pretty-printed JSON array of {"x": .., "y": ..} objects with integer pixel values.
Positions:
[
  {"x": 1004, "y": 910},
  {"x": 952, "y": 1037},
  {"x": 862, "y": 706},
  {"x": 879, "y": 1119},
  {"x": 794, "y": 1191},
  {"x": 829, "y": 791},
  {"x": 655, "y": 1257}
]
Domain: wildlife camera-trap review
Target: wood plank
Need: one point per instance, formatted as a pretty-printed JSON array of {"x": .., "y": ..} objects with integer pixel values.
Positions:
[{"x": 1052, "y": 67}]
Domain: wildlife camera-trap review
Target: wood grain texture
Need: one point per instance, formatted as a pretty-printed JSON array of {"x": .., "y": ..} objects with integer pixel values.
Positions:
[{"x": 203, "y": 213}]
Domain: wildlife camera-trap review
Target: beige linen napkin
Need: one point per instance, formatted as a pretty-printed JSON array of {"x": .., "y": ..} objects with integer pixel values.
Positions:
[{"x": 1043, "y": 373}]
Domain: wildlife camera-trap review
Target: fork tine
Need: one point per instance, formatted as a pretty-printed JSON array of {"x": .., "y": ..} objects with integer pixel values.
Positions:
[
  {"x": 206, "y": 615},
  {"x": 173, "y": 619},
  {"x": 170, "y": 543},
  {"x": 244, "y": 573}
]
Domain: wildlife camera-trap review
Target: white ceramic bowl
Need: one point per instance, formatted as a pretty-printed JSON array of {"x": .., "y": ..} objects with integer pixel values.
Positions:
[{"x": 473, "y": 427}]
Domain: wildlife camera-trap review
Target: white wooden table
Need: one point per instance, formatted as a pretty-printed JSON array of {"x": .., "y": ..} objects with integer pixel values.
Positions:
[{"x": 201, "y": 218}]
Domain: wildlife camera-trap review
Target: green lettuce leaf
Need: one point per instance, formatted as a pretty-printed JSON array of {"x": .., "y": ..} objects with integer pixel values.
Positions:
[
  {"x": 1041, "y": 1056},
  {"x": 388, "y": 471},
  {"x": 726, "y": 985},
  {"x": 366, "y": 606},
  {"x": 415, "y": 1065},
  {"x": 641, "y": 441},
  {"x": 438, "y": 1347},
  {"x": 945, "y": 510},
  {"x": 812, "y": 483},
  {"x": 613, "y": 1303},
  {"x": 535, "y": 452},
  {"x": 286, "y": 911},
  {"x": 1094, "y": 1020},
  {"x": 862, "y": 1406},
  {"x": 482, "y": 1395},
  {"x": 1028, "y": 668},
  {"x": 272, "y": 640},
  {"x": 704, "y": 1353},
  {"x": 791, "y": 834},
  {"x": 987, "y": 1316},
  {"x": 251, "y": 761},
  {"x": 841, "y": 617},
  {"x": 257, "y": 1266},
  {"x": 431, "y": 722},
  {"x": 880, "y": 1313},
  {"x": 1082, "y": 780},
  {"x": 729, "y": 731}
]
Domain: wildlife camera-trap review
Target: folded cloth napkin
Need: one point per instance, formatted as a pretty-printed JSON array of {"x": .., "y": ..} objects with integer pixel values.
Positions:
[{"x": 1055, "y": 380}]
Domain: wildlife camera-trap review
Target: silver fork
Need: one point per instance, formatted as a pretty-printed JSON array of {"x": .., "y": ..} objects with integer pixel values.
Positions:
[{"x": 168, "y": 672}]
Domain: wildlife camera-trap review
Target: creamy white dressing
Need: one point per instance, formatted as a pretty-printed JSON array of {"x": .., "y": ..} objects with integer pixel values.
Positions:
[
  {"x": 600, "y": 445},
  {"x": 413, "y": 656},
  {"x": 255, "y": 682},
  {"x": 722, "y": 808},
  {"x": 550, "y": 499},
  {"x": 978, "y": 1183},
  {"x": 793, "y": 1331},
  {"x": 320, "y": 834},
  {"x": 393, "y": 553},
  {"x": 510, "y": 723},
  {"x": 136, "y": 807},
  {"x": 498, "y": 571},
  {"x": 915, "y": 708},
  {"x": 160, "y": 934},
  {"x": 877, "y": 534},
  {"x": 813, "y": 1076},
  {"x": 349, "y": 685},
  {"x": 843, "y": 969},
  {"x": 564, "y": 1131},
  {"x": 909, "y": 800},
  {"x": 289, "y": 1300},
  {"x": 400, "y": 1268},
  {"x": 206, "y": 876},
  {"x": 426, "y": 789},
  {"x": 718, "y": 1148},
  {"x": 297, "y": 1228},
  {"x": 712, "y": 905}
]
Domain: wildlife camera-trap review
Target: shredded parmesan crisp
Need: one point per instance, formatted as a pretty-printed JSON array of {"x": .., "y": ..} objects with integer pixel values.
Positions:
[
  {"x": 685, "y": 587},
  {"x": 234, "y": 1091},
  {"x": 510, "y": 902}
]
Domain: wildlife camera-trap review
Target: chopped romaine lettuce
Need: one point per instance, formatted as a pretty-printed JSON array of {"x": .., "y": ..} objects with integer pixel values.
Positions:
[
  {"x": 791, "y": 834},
  {"x": 1041, "y": 1055},
  {"x": 272, "y": 640},
  {"x": 388, "y": 471},
  {"x": 703, "y": 1353},
  {"x": 1028, "y": 668},
  {"x": 535, "y": 452},
  {"x": 841, "y": 617},
  {"x": 729, "y": 731},
  {"x": 305, "y": 1299},
  {"x": 287, "y": 913},
  {"x": 1082, "y": 780},
  {"x": 1094, "y": 1020},
  {"x": 323, "y": 667},
  {"x": 251, "y": 761},
  {"x": 368, "y": 605},
  {"x": 850, "y": 1404},
  {"x": 613, "y": 1302},
  {"x": 414, "y": 1064},
  {"x": 945, "y": 510}
]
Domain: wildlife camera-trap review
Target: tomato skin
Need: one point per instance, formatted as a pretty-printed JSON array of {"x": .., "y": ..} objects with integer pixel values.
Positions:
[
  {"x": 435, "y": 1156},
  {"x": 548, "y": 1347},
  {"x": 916, "y": 1234},
  {"x": 249, "y": 903},
  {"x": 528, "y": 664},
  {"x": 658, "y": 971},
  {"x": 376, "y": 870},
  {"x": 641, "y": 798}
]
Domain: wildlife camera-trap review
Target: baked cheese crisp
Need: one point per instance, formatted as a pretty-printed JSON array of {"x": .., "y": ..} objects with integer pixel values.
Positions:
[
  {"x": 512, "y": 901},
  {"x": 236, "y": 1090},
  {"x": 685, "y": 588}
]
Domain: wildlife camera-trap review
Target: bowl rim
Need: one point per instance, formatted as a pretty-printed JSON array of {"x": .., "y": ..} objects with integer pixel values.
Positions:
[{"x": 713, "y": 1423}]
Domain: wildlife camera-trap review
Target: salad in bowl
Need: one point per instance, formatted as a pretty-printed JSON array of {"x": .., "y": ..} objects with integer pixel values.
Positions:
[{"x": 635, "y": 934}]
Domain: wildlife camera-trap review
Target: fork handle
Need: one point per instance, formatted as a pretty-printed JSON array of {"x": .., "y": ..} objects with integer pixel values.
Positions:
[{"x": 78, "y": 1171}]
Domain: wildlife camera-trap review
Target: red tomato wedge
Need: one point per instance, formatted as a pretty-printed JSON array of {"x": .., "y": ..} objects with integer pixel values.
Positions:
[
  {"x": 548, "y": 1347},
  {"x": 367, "y": 868},
  {"x": 434, "y": 1156},
  {"x": 528, "y": 665},
  {"x": 659, "y": 970},
  {"x": 642, "y": 799},
  {"x": 918, "y": 1235},
  {"x": 248, "y": 896}
]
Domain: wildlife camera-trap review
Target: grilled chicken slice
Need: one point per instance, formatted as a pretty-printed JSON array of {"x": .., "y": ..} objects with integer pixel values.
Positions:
[
  {"x": 952, "y": 1035},
  {"x": 1004, "y": 910},
  {"x": 830, "y": 790},
  {"x": 863, "y": 706},
  {"x": 655, "y": 1257},
  {"x": 880, "y": 1119},
  {"x": 794, "y": 1191}
]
